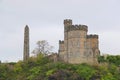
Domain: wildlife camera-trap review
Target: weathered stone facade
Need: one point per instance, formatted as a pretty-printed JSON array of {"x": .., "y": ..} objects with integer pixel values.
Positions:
[
  {"x": 78, "y": 46},
  {"x": 26, "y": 43}
]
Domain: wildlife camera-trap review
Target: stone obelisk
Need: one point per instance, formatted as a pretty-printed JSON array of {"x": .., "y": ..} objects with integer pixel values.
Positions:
[{"x": 26, "y": 43}]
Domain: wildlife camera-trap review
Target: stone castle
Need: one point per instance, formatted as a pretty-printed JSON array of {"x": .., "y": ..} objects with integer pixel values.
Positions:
[{"x": 77, "y": 46}]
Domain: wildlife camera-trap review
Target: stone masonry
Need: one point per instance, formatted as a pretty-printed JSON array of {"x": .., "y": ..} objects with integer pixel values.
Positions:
[
  {"x": 77, "y": 46},
  {"x": 26, "y": 43}
]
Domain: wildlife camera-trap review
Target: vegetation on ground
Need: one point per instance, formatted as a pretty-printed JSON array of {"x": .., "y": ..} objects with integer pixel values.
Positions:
[{"x": 42, "y": 68}]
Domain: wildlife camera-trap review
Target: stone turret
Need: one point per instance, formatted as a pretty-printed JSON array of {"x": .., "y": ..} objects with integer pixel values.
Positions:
[
  {"x": 92, "y": 41},
  {"x": 67, "y": 23},
  {"x": 61, "y": 50},
  {"x": 26, "y": 43},
  {"x": 61, "y": 46}
]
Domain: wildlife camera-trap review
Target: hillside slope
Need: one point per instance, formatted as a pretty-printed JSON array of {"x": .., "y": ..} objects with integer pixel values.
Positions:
[{"x": 41, "y": 68}]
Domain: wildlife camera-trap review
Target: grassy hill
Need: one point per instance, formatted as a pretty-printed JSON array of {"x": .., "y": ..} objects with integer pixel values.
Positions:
[{"x": 42, "y": 68}]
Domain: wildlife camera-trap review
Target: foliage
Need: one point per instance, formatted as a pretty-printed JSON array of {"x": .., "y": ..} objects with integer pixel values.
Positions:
[
  {"x": 114, "y": 60},
  {"x": 86, "y": 71},
  {"x": 110, "y": 59},
  {"x": 41, "y": 68},
  {"x": 101, "y": 59}
]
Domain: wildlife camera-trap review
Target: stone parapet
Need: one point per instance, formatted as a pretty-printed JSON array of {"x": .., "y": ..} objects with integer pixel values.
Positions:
[
  {"x": 77, "y": 27},
  {"x": 92, "y": 36}
]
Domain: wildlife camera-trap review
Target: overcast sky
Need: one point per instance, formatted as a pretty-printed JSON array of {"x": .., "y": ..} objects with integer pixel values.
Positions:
[{"x": 45, "y": 20}]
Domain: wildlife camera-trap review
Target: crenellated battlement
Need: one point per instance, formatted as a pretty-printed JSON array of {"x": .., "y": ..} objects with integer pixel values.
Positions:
[
  {"x": 77, "y": 27},
  {"x": 92, "y": 36},
  {"x": 68, "y": 21},
  {"x": 61, "y": 42}
]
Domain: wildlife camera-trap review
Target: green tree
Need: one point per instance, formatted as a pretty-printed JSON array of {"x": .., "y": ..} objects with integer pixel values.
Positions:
[{"x": 114, "y": 59}]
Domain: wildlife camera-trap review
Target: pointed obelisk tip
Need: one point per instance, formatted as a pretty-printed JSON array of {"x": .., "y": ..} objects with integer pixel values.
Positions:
[{"x": 26, "y": 27}]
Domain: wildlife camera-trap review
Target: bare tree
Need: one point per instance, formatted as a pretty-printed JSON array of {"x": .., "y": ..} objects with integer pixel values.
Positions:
[{"x": 43, "y": 47}]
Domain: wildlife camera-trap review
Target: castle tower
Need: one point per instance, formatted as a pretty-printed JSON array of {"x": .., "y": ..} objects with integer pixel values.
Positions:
[
  {"x": 93, "y": 47},
  {"x": 61, "y": 50},
  {"x": 67, "y": 24},
  {"x": 78, "y": 47},
  {"x": 76, "y": 43},
  {"x": 26, "y": 43}
]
